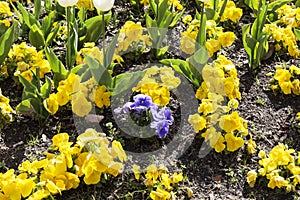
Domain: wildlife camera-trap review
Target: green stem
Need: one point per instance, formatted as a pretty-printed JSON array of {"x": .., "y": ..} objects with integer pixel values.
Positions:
[
  {"x": 103, "y": 40},
  {"x": 69, "y": 56},
  {"x": 201, "y": 40}
]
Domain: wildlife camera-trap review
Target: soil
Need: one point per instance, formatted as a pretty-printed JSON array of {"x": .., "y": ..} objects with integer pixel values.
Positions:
[{"x": 271, "y": 119}]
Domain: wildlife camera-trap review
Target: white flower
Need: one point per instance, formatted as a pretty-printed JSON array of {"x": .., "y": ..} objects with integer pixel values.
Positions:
[
  {"x": 66, "y": 3},
  {"x": 103, "y": 5}
]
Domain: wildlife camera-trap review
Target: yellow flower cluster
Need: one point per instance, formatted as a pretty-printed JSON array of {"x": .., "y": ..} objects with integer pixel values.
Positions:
[
  {"x": 175, "y": 3},
  {"x": 6, "y": 110},
  {"x": 286, "y": 80},
  {"x": 132, "y": 37},
  {"x": 280, "y": 167},
  {"x": 93, "y": 51},
  {"x": 231, "y": 12},
  {"x": 221, "y": 78},
  {"x": 80, "y": 94},
  {"x": 159, "y": 178},
  {"x": 216, "y": 123},
  {"x": 4, "y": 13},
  {"x": 282, "y": 29},
  {"x": 87, "y": 4},
  {"x": 284, "y": 37},
  {"x": 216, "y": 38},
  {"x": 61, "y": 171},
  {"x": 289, "y": 15},
  {"x": 157, "y": 83},
  {"x": 24, "y": 59}
]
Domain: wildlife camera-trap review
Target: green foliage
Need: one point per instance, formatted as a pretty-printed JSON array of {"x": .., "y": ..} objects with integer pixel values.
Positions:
[
  {"x": 271, "y": 7},
  {"x": 201, "y": 36},
  {"x": 126, "y": 81},
  {"x": 91, "y": 29},
  {"x": 213, "y": 13},
  {"x": 255, "y": 41},
  {"x": 191, "y": 69},
  {"x": 40, "y": 34},
  {"x": 164, "y": 17},
  {"x": 57, "y": 67},
  {"x": 7, "y": 39},
  {"x": 99, "y": 70},
  {"x": 34, "y": 94},
  {"x": 297, "y": 33}
]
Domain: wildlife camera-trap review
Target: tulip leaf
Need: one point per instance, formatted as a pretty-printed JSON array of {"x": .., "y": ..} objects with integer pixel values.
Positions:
[
  {"x": 36, "y": 36},
  {"x": 24, "y": 107},
  {"x": 28, "y": 18},
  {"x": 297, "y": 34},
  {"x": 126, "y": 81},
  {"x": 60, "y": 72},
  {"x": 46, "y": 88},
  {"x": 99, "y": 72},
  {"x": 94, "y": 28},
  {"x": 6, "y": 41}
]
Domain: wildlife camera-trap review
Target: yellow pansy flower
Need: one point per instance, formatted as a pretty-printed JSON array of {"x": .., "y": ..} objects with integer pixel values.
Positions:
[
  {"x": 137, "y": 171},
  {"x": 251, "y": 178},
  {"x": 102, "y": 98},
  {"x": 233, "y": 143},
  {"x": 118, "y": 151},
  {"x": 80, "y": 105},
  {"x": 198, "y": 122},
  {"x": 160, "y": 194},
  {"x": 226, "y": 38},
  {"x": 52, "y": 104}
]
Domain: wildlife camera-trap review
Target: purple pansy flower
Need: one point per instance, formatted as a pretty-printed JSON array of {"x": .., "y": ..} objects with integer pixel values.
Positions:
[
  {"x": 162, "y": 121},
  {"x": 162, "y": 127},
  {"x": 141, "y": 107}
]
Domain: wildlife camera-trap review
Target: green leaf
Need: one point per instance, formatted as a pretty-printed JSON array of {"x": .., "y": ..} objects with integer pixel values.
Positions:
[
  {"x": 182, "y": 67},
  {"x": 153, "y": 6},
  {"x": 210, "y": 13},
  {"x": 6, "y": 41},
  {"x": 167, "y": 21},
  {"x": 150, "y": 22},
  {"x": 245, "y": 35},
  {"x": 52, "y": 34},
  {"x": 126, "y": 81},
  {"x": 99, "y": 72},
  {"x": 60, "y": 72},
  {"x": 47, "y": 23},
  {"x": 201, "y": 37},
  {"x": 24, "y": 107},
  {"x": 197, "y": 61},
  {"x": 28, "y": 86},
  {"x": 79, "y": 69},
  {"x": 37, "y": 8},
  {"x": 3, "y": 28},
  {"x": 162, "y": 11},
  {"x": 74, "y": 45},
  {"x": 94, "y": 28},
  {"x": 297, "y": 33},
  {"x": 28, "y": 18},
  {"x": 176, "y": 18},
  {"x": 36, "y": 36},
  {"x": 162, "y": 51},
  {"x": 175, "y": 63},
  {"x": 273, "y": 6},
  {"x": 221, "y": 11},
  {"x": 46, "y": 88},
  {"x": 110, "y": 50}
]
